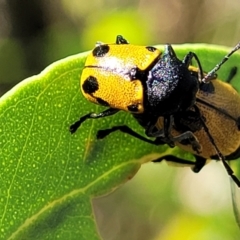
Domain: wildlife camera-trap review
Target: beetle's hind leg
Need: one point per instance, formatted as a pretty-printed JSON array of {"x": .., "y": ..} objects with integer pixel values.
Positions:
[
  {"x": 125, "y": 129},
  {"x": 193, "y": 141},
  {"x": 232, "y": 74},
  {"x": 165, "y": 135},
  {"x": 195, "y": 166}
]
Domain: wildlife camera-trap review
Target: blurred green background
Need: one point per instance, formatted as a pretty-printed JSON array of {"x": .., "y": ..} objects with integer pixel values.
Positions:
[{"x": 161, "y": 202}]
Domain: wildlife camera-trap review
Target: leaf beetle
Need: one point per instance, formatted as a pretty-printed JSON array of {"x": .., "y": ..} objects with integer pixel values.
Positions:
[{"x": 174, "y": 101}]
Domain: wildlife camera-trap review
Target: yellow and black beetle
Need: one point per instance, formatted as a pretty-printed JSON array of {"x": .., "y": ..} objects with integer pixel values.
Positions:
[{"x": 176, "y": 103}]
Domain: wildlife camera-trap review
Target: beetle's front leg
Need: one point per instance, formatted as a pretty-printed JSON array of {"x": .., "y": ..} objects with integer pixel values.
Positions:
[{"x": 165, "y": 135}]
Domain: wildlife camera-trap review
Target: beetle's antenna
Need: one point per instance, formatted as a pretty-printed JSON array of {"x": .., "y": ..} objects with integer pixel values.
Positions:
[{"x": 218, "y": 66}]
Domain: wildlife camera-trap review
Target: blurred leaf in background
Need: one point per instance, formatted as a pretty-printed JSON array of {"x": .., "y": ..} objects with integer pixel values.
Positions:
[{"x": 35, "y": 33}]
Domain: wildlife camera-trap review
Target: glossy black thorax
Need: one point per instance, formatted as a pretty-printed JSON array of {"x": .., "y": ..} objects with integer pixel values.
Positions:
[{"x": 170, "y": 88}]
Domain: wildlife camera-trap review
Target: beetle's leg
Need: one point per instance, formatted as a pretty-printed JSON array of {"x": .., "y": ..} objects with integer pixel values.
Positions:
[
  {"x": 188, "y": 135},
  {"x": 76, "y": 125},
  {"x": 188, "y": 60},
  {"x": 166, "y": 136},
  {"x": 232, "y": 74},
  {"x": 196, "y": 166},
  {"x": 125, "y": 129},
  {"x": 174, "y": 159},
  {"x": 168, "y": 121},
  {"x": 170, "y": 140},
  {"x": 121, "y": 40},
  {"x": 199, "y": 164}
]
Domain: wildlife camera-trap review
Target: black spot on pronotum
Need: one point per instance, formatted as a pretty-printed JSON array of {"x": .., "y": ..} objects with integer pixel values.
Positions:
[
  {"x": 101, "y": 50},
  {"x": 151, "y": 49},
  {"x": 133, "y": 108},
  {"x": 102, "y": 102},
  {"x": 90, "y": 85}
]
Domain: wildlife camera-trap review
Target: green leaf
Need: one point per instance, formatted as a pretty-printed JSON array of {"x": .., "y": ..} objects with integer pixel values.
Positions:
[{"x": 48, "y": 176}]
